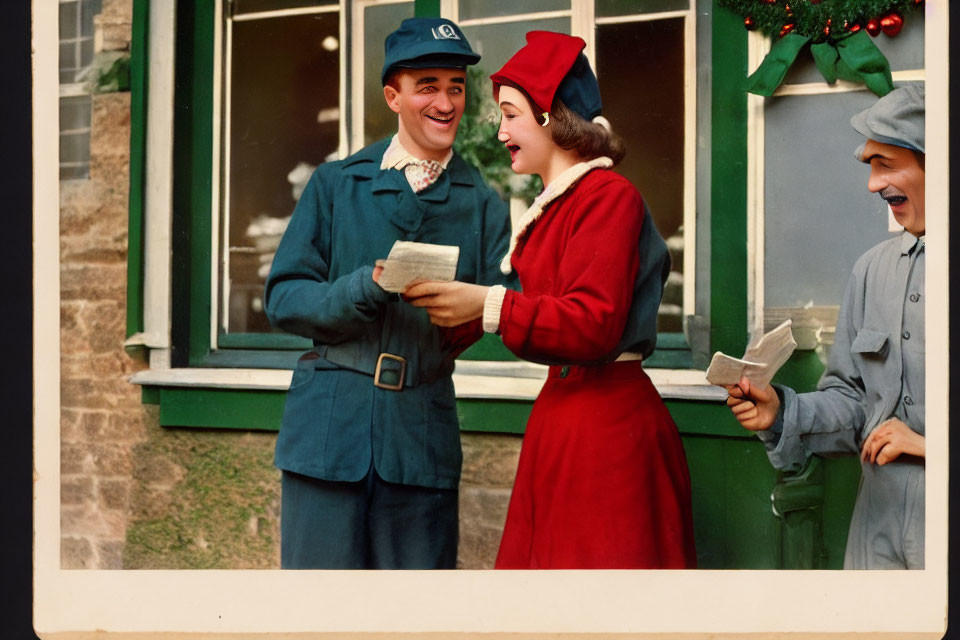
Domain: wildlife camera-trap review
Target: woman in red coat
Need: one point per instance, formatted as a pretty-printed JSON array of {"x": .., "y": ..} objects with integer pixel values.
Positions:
[{"x": 602, "y": 480}]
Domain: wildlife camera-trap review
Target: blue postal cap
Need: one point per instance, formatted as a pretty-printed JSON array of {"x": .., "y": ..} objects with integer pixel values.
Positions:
[
  {"x": 897, "y": 118},
  {"x": 426, "y": 43}
]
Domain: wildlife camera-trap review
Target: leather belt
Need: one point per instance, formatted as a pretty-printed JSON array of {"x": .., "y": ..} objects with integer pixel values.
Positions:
[{"x": 389, "y": 371}]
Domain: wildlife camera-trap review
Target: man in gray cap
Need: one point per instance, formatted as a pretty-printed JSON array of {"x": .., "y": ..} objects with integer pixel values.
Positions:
[
  {"x": 870, "y": 400},
  {"x": 369, "y": 444}
]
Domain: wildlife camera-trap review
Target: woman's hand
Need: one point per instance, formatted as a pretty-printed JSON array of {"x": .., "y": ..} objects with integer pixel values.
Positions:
[
  {"x": 891, "y": 439},
  {"x": 755, "y": 408},
  {"x": 448, "y": 303}
]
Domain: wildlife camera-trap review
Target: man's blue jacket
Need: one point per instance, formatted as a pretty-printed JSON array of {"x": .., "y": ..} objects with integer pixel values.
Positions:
[{"x": 336, "y": 421}]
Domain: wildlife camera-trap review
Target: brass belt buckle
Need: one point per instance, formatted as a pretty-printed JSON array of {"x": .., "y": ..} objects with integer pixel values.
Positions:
[{"x": 386, "y": 385}]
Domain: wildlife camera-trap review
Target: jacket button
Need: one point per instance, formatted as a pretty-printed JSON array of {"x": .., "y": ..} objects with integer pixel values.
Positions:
[
  {"x": 564, "y": 372},
  {"x": 906, "y": 335},
  {"x": 914, "y": 297},
  {"x": 907, "y": 400}
]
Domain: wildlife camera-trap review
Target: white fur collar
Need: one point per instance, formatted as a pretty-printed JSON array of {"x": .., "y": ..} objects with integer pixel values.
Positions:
[{"x": 554, "y": 190}]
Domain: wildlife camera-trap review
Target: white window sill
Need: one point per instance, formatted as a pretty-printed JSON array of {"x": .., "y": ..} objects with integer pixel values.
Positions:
[{"x": 485, "y": 380}]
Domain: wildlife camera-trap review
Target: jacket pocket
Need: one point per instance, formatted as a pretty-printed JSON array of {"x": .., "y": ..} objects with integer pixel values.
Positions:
[
  {"x": 303, "y": 372},
  {"x": 869, "y": 342},
  {"x": 869, "y": 351},
  {"x": 306, "y": 417}
]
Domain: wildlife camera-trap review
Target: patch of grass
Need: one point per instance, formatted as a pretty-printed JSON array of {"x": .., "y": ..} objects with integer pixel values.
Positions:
[{"x": 204, "y": 500}]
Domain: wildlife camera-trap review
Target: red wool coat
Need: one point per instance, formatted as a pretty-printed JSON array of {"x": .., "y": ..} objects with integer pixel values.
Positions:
[{"x": 602, "y": 480}]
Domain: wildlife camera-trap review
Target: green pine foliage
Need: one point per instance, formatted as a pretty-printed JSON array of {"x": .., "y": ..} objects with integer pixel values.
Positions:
[{"x": 810, "y": 17}]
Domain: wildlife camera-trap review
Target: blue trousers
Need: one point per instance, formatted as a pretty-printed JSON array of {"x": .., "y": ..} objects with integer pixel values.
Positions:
[{"x": 370, "y": 524}]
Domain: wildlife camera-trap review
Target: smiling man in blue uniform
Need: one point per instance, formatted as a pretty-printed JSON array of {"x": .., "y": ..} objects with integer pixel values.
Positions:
[
  {"x": 369, "y": 445},
  {"x": 870, "y": 400}
]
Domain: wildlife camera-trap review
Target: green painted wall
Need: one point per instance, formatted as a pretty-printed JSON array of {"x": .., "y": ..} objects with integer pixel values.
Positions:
[{"x": 731, "y": 478}]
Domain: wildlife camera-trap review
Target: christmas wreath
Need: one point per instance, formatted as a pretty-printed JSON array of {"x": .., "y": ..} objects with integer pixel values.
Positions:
[{"x": 839, "y": 34}]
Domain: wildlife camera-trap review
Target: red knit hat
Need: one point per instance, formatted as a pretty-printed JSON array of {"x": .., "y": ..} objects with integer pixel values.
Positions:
[{"x": 548, "y": 60}]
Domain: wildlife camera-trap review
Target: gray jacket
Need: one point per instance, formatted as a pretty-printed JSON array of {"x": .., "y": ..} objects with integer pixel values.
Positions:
[{"x": 875, "y": 372}]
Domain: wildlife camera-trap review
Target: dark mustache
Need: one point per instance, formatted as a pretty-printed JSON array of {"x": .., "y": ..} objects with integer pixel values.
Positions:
[{"x": 891, "y": 193}]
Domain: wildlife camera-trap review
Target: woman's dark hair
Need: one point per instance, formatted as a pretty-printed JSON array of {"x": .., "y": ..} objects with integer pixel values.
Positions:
[
  {"x": 570, "y": 131},
  {"x": 589, "y": 139}
]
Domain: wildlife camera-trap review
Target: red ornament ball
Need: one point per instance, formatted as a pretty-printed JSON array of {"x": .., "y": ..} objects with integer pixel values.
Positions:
[
  {"x": 826, "y": 29},
  {"x": 749, "y": 23},
  {"x": 891, "y": 23},
  {"x": 787, "y": 28},
  {"x": 852, "y": 28},
  {"x": 873, "y": 27},
  {"x": 814, "y": 1}
]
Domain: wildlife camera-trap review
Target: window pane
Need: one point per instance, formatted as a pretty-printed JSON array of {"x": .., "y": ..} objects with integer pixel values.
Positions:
[
  {"x": 471, "y": 9},
  {"x": 68, "y": 20},
  {"x": 818, "y": 215},
  {"x": 75, "y": 172},
  {"x": 86, "y": 52},
  {"x": 378, "y": 22},
  {"x": 68, "y": 59},
  {"x": 75, "y": 147},
  {"x": 643, "y": 98},
  {"x": 74, "y": 113},
  {"x": 606, "y": 8},
  {"x": 88, "y": 9},
  {"x": 284, "y": 120},
  {"x": 496, "y": 43},
  {"x": 256, "y": 6}
]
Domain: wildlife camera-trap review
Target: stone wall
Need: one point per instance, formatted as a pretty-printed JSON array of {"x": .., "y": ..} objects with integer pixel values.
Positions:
[
  {"x": 102, "y": 418},
  {"x": 489, "y": 466}
]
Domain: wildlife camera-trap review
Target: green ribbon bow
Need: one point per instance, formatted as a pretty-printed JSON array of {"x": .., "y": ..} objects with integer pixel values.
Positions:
[{"x": 853, "y": 57}]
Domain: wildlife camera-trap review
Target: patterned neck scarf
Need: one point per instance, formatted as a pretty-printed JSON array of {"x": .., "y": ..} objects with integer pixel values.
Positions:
[{"x": 420, "y": 174}]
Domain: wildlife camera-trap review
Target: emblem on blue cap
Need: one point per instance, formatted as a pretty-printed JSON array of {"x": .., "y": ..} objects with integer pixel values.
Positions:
[{"x": 445, "y": 32}]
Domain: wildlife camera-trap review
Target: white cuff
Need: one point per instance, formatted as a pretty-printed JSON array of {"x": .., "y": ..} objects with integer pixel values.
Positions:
[{"x": 491, "y": 308}]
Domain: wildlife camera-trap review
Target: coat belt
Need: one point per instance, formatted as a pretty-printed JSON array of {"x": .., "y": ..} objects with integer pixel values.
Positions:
[{"x": 350, "y": 357}]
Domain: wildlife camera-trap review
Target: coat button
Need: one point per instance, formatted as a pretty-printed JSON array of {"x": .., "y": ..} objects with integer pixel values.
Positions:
[
  {"x": 914, "y": 297},
  {"x": 907, "y": 400},
  {"x": 906, "y": 335},
  {"x": 565, "y": 371}
]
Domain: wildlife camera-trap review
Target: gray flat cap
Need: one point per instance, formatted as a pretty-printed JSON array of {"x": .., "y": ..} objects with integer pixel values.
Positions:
[{"x": 897, "y": 118}]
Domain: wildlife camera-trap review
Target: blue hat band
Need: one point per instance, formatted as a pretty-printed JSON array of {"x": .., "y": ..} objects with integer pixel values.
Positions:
[{"x": 579, "y": 90}]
